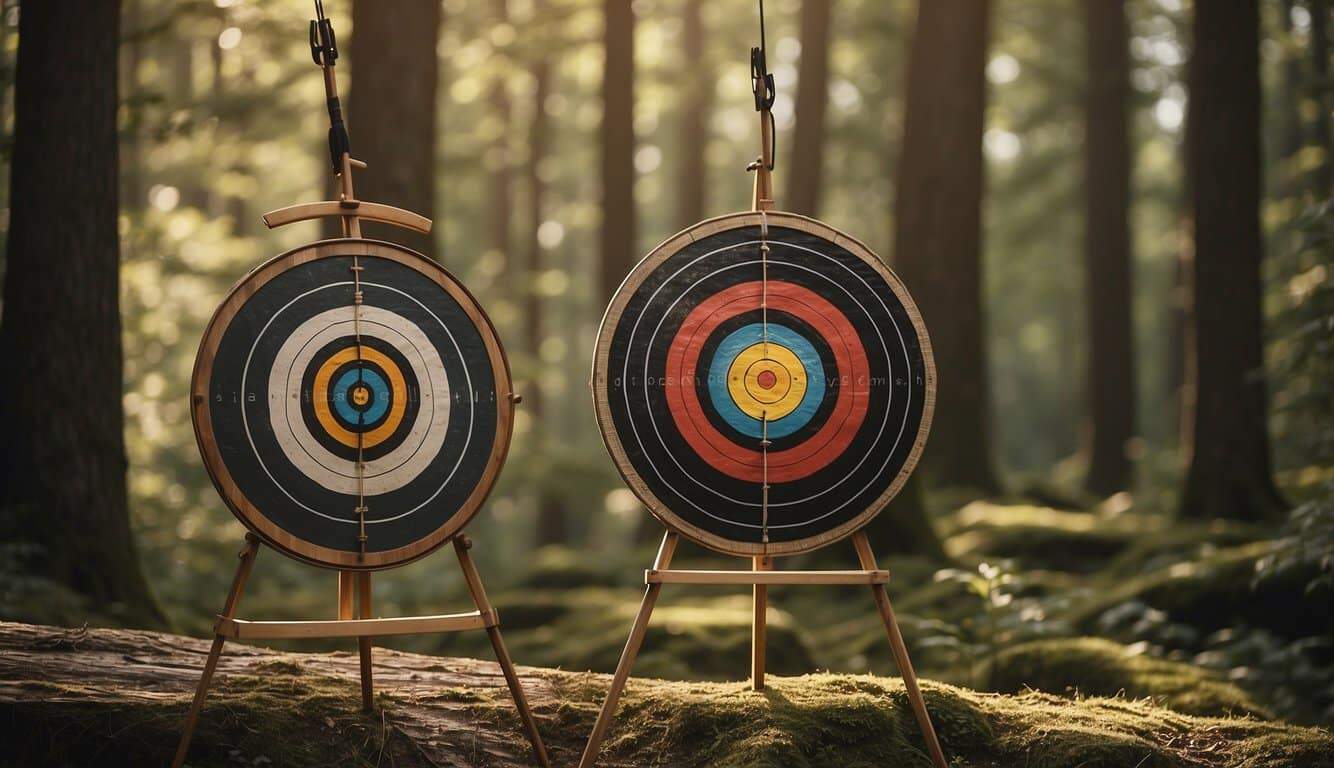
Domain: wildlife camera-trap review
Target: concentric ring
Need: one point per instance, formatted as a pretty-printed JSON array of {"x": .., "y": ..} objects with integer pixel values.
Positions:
[
  {"x": 296, "y": 384},
  {"x": 720, "y": 366}
]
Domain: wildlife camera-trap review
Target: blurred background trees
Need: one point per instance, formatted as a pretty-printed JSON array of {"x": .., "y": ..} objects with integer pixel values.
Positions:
[{"x": 1114, "y": 216}]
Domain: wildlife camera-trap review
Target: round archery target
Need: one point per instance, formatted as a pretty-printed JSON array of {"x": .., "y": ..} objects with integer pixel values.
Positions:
[
  {"x": 722, "y": 368},
  {"x": 321, "y": 416}
]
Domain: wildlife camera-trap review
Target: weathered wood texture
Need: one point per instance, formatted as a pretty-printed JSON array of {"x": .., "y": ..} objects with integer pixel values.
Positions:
[{"x": 81, "y": 683}]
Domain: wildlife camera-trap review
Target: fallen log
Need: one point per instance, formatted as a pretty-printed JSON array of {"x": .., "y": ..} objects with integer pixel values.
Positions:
[{"x": 117, "y": 697}]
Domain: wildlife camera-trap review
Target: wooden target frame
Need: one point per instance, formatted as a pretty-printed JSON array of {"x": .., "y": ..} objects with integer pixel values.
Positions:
[
  {"x": 765, "y": 220},
  {"x": 249, "y": 513},
  {"x": 386, "y": 388},
  {"x": 759, "y": 557}
]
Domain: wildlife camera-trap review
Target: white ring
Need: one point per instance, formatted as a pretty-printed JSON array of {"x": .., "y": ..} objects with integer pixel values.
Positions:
[{"x": 401, "y": 465}]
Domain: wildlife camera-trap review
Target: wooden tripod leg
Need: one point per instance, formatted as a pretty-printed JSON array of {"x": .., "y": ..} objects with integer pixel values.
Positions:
[
  {"x": 759, "y": 623},
  {"x": 363, "y": 583},
  {"x": 632, "y": 644},
  {"x": 474, "y": 579},
  {"x": 247, "y": 562},
  {"x": 900, "y": 651}
]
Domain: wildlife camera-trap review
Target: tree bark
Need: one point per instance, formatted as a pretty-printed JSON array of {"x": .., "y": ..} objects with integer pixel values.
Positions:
[
  {"x": 552, "y": 525},
  {"x": 808, "y": 137},
  {"x": 500, "y": 176},
  {"x": 938, "y": 223},
  {"x": 391, "y": 109},
  {"x": 63, "y": 475},
  {"x": 1229, "y": 474},
  {"x": 1324, "y": 175},
  {"x": 696, "y": 102},
  {"x": 616, "y": 240},
  {"x": 118, "y": 698},
  {"x": 1110, "y": 375}
]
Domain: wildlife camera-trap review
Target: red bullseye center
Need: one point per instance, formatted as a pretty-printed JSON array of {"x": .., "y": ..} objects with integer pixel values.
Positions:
[{"x": 766, "y": 379}]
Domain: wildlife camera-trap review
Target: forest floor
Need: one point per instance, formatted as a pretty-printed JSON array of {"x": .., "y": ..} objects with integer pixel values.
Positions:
[{"x": 117, "y": 698}]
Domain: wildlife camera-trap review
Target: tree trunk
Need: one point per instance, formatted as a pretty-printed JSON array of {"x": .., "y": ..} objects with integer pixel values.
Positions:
[
  {"x": 552, "y": 527},
  {"x": 1111, "y": 363},
  {"x": 696, "y": 101},
  {"x": 938, "y": 223},
  {"x": 499, "y": 168},
  {"x": 1229, "y": 475},
  {"x": 64, "y": 471},
  {"x": 391, "y": 109},
  {"x": 616, "y": 243},
  {"x": 1324, "y": 175},
  {"x": 804, "y": 178}
]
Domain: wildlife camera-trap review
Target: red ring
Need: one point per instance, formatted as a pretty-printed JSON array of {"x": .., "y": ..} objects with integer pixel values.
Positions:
[{"x": 719, "y": 452}]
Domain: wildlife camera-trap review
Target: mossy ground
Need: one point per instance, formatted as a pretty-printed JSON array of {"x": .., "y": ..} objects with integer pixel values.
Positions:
[
  {"x": 278, "y": 711},
  {"x": 856, "y": 721},
  {"x": 1096, "y": 667}
]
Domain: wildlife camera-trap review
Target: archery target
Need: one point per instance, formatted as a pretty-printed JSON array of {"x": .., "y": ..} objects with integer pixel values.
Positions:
[
  {"x": 310, "y": 405},
  {"x": 721, "y": 368}
]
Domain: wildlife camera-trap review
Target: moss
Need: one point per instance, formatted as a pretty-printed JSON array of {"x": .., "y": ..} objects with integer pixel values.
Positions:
[
  {"x": 1095, "y": 667},
  {"x": 831, "y": 720},
  {"x": 1039, "y": 537},
  {"x": 1211, "y": 592},
  {"x": 282, "y": 715},
  {"x": 687, "y": 639}
]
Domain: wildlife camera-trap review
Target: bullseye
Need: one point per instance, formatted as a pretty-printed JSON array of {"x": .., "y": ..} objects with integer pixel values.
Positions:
[
  {"x": 766, "y": 379},
  {"x": 783, "y": 368}
]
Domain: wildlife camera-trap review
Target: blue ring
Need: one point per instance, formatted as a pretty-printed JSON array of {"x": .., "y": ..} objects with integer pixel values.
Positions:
[
  {"x": 733, "y": 345},
  {"x": 379, "y": 396}
]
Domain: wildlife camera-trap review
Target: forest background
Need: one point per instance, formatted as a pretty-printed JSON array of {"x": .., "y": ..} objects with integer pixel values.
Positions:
[{"x": 1116, "y": 218}]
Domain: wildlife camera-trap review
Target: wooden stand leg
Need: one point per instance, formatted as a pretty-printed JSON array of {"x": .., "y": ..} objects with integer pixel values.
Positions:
[
  {"x": 632, "y": 644},
  {"x": 759, "y": 624},
  {"x": 243, "y": 568},
  {"x": 461, "y": 546},
  {"x": 363, "y": 582},
  {"x": 900, "y": 651}
]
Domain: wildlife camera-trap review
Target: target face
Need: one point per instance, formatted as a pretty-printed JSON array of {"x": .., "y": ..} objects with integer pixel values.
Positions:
[
  {"x": 722, "y": 368},
  {"x": 310, "y": 406}
]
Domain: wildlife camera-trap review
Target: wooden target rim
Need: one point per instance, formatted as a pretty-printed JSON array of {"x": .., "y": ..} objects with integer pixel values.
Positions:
[
  {"x": 251, "y": 516},
  {"x": 610, "y": 438}
]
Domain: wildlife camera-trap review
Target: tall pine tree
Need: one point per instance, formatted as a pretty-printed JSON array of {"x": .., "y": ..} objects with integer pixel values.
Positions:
[
  {"x": 1110, "y": 376},
  {"x": 938, "y": 229},
  {"x": 63, "y": 475},
  {"x": 1229, "y": 474}
]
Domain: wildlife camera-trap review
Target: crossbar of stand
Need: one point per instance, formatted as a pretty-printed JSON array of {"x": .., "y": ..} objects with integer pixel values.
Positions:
[
  {"x": 760, "y": 575},
  {"x": 652, "y": 576},
  {"x": 354, "y": 600},
  {"x": 240, "y": 629}
]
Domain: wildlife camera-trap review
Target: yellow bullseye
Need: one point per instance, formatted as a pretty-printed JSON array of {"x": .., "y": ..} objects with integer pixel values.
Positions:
[{"x": 766, "y": 380}]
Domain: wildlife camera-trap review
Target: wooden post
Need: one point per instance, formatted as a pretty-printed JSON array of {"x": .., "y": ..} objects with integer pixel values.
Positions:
[
  {"x": 664, "y": 560},
  {"x": 900, "y": 651},
  {"x": 247, "y": 562},
  {"x": 474, "y": 580},
  {"x": 762, "y": 195},
  {"x": 346, "y": 594},
  {"x": 363, "y": 583},
  {"x": 759, "y": 623}
]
